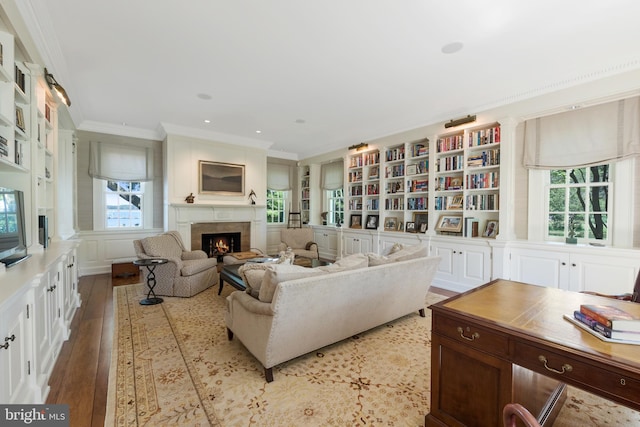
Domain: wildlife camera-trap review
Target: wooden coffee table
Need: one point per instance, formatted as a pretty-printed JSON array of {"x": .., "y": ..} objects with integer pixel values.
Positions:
[{"x": 229, "y": 274}]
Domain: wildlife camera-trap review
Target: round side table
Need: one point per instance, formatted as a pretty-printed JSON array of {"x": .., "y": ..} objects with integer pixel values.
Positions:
[{"x": 151, "y": 264}]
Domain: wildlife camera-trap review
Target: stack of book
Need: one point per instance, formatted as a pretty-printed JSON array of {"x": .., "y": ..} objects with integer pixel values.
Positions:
[{"x": 608, "y": 322}]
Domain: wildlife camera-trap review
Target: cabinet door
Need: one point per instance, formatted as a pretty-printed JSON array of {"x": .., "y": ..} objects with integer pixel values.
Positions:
[
  {"x": 446, "y": 273},
  {"x": 357, "y": 244},
  {"x": 15, "y": 353},
  {"x": 544, "y": 268},
  {"x": 613, "y": 275},
  {"x": 475, "y": 267},
  {"x": 327, "y": 243}
]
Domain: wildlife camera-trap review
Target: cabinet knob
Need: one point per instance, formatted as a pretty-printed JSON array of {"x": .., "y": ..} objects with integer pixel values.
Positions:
[
  {"x": 573, "y": 264},
  {"x": 564, "y": 263}
]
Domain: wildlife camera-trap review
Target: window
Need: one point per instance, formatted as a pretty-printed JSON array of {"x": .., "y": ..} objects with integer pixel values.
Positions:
[
  {"x": 123, "y": 204},
  {"x": 276, "y": 206},
  {"x": 335, "y": 206},
  {"x": 578, "y": 204}
]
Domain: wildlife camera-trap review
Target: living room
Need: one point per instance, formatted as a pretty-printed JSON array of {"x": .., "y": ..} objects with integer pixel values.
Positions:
[{"x": 71, "y": 198}]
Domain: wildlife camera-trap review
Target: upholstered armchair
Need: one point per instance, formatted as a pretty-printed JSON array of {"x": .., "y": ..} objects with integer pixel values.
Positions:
[
  {"x": 187, "y": 272},
  {"x": 300, "y": 240}
]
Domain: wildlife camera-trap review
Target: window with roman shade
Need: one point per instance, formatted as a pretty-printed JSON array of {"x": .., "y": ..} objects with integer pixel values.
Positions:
[
  {"x": 589, "y": 136},
  {"x": 120, "y": 162},
  {"x": 279, "y": 177},
  {"x": 332, "y": 175}
]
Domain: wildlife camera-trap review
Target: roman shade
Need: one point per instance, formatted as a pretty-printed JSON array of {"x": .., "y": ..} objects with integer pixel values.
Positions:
[
  {"x": 119, "y": 162},
  {"x": 332, "y": 175},
  {"x": 278, "y": 177},
  {"x": 584, "y": 137}
]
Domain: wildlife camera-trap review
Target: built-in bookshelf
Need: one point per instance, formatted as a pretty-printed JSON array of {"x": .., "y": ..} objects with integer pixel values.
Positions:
[
  {"x": 305, "y": 194},
  {"x": 467, "y": 180},
  {"x": 363, "y": 186}
]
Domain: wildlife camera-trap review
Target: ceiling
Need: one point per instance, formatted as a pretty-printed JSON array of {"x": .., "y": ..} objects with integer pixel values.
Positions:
[{"x": 315, "y": 76}]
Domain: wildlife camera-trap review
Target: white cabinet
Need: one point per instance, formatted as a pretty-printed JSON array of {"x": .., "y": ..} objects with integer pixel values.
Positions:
[
  {"x": 358, "y": 242},
  {"x": 388, "y": 239},
  {"x": 463, "y": 265},
  {"x": 15, "y": 349},
  {"x": 327, "y": 240},
  {"x": 575, "y": 268},
  {"x": 70, "y": 295}
]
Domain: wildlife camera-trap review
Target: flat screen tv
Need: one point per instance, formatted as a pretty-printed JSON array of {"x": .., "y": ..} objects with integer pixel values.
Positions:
[{"x": 12, "y": 232}]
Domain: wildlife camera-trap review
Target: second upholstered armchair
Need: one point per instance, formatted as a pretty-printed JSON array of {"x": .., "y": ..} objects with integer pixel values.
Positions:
[{"x": 300, "y": 240}]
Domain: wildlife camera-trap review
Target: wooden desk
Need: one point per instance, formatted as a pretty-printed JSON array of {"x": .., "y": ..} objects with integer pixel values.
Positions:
[{"x": 508, "y": 342}]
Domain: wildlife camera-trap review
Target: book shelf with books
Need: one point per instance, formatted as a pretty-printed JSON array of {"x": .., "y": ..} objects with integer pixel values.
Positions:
[
  {"x": 363, "y": 185},
  {"x": 417, "y": 184},
  {"x": 467, "y": 178},
  {"x": 394, "y": 182},
  {"x": 305, "y": 194}
]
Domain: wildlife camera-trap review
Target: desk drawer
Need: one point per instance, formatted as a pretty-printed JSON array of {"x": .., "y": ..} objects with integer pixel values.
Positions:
[
  {"x": 473, "y": 336},
  {"x": 568, "y": 369}
]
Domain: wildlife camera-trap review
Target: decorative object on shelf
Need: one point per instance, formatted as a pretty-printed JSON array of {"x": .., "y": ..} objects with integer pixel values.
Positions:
[
  {"x": 456, "y": 202},
  {"x": 372, "y": 222},
  {"x": 571, "y": 239},
  {"x": 355, "y": 221},
  {"x": 190, "y": 198},
  {"x": 221, "y": 178},
  {"x": 20, "y": 118},
  {"x": 252, "y": 197},
  {"x": 390, "y": 223},
  {"x": 411, "y": 227},
  {"x": 421, "y": 218},
  {"x": 450, "y": 223},
  {"x": 358, "y": 147},
  {"x": 323, "y": 215},
  {"x": 53, "y": 84},
  {"x": 491, "y": 230},
  {"x": 461, "y": 121}
]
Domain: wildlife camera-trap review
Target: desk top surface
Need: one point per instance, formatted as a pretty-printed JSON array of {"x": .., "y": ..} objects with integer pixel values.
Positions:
[{"x": 537, "y": 312}]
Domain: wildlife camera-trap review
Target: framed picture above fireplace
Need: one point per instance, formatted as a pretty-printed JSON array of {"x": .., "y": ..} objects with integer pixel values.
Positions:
[{"x": 221, "y": 178}]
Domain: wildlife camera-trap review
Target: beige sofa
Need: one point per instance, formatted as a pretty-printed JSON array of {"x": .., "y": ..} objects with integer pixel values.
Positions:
[
  {"x": 322, "y": 307},
  {"x": 187, "y": 272}
]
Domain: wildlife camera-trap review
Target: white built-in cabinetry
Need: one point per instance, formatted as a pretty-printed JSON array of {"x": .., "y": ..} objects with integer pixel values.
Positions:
[
  {"x": 465, "y": 263},
  {"x": 327, "y": 239},
  {"x": 37, "y": 302}
]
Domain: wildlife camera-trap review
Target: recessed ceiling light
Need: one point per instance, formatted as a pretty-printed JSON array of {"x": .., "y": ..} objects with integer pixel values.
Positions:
[
  {"x": 300, "y": 121},
  {"x": 207, "y": 121},
  {"x": 258, "y": 131},
  {"x": 204, "y": 96},
  {"x": 452, "y": 47}
]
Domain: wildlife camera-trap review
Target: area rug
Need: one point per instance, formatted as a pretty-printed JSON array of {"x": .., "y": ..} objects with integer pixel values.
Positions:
[{"x": 172, "y": 364}]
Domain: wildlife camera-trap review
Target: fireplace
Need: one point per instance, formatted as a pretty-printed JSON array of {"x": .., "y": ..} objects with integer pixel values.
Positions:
[
  {"x": 218, "y": 244},
  {"x": 218, "y": 238}
]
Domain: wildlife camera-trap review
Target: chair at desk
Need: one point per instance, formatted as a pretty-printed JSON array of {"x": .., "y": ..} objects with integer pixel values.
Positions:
[
  {"x": 633, "y": 297},
  {"x": 514, "y": 411}
]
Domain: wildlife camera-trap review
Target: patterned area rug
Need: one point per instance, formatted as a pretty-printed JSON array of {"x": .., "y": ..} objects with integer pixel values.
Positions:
[{"x": 172, "y": 364}]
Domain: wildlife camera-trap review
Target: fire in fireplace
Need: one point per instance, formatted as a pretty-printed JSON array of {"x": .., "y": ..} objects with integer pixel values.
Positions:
[{"x": 218, "y": 244}]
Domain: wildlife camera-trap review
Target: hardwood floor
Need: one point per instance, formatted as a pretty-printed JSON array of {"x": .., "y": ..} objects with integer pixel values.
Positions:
[{"x": 81, "y": 375}]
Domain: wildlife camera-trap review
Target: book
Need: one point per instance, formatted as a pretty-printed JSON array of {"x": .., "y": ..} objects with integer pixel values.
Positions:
[
  {"x": 612, "y": 317},
  {"x": 604, "y": 330},
  {"x": 597, "y": 334}
]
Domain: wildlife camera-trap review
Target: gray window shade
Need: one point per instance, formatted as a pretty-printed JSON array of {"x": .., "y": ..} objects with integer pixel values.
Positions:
[
  {"x": 584, "y": 137},
  {"x": 332, "y": 175},
  {"x": 118, "y": 162},
  {"x": 279, "y": 177}
]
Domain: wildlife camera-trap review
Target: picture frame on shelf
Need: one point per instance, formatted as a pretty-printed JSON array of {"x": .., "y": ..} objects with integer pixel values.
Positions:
[
  {"x": 355, "y": 221},
  {"x": 421, "y": 218},
  {"x": 491, "y": 229},
  {"x": 374, "y": 172},
  {"x": 411, "y": 227},
  {"x": 372, "y": 222},
  {"x": 412, "y": 169},
  {"x": 20, "y": 118},
  {"x": 391, "y": 223},
  {"x": 221, "y": 178},
  {"x": 400, "y": 226},
  {"x": 450, "y": 223},
  {"x": 456, "y": 202},
  {"x": 423, "y": 227}
]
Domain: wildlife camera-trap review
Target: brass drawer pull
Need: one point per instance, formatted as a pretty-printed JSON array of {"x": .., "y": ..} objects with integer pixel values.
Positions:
[
  {"x": 473, "y": 336},
  {"x": 565, "y": 368}
]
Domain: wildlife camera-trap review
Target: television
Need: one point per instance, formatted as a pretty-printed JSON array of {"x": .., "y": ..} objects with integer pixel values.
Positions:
[{"x": 12, "y": 227}]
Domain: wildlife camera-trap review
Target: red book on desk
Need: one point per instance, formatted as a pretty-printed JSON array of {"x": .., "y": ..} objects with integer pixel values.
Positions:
[{"x": 612, "y": 317}]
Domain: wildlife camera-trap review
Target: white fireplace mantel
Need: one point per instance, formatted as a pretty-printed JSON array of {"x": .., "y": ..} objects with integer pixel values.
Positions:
[{"x": 180, "y": 216}]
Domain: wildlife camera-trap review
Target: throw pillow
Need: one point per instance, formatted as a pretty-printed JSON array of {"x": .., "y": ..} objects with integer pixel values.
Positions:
[
  {"x": 410, "y": 252},
  {"x": 252, "y": 274},
  {"x": 350, "y": 262},
  {"x": 277, "y": 273}
]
